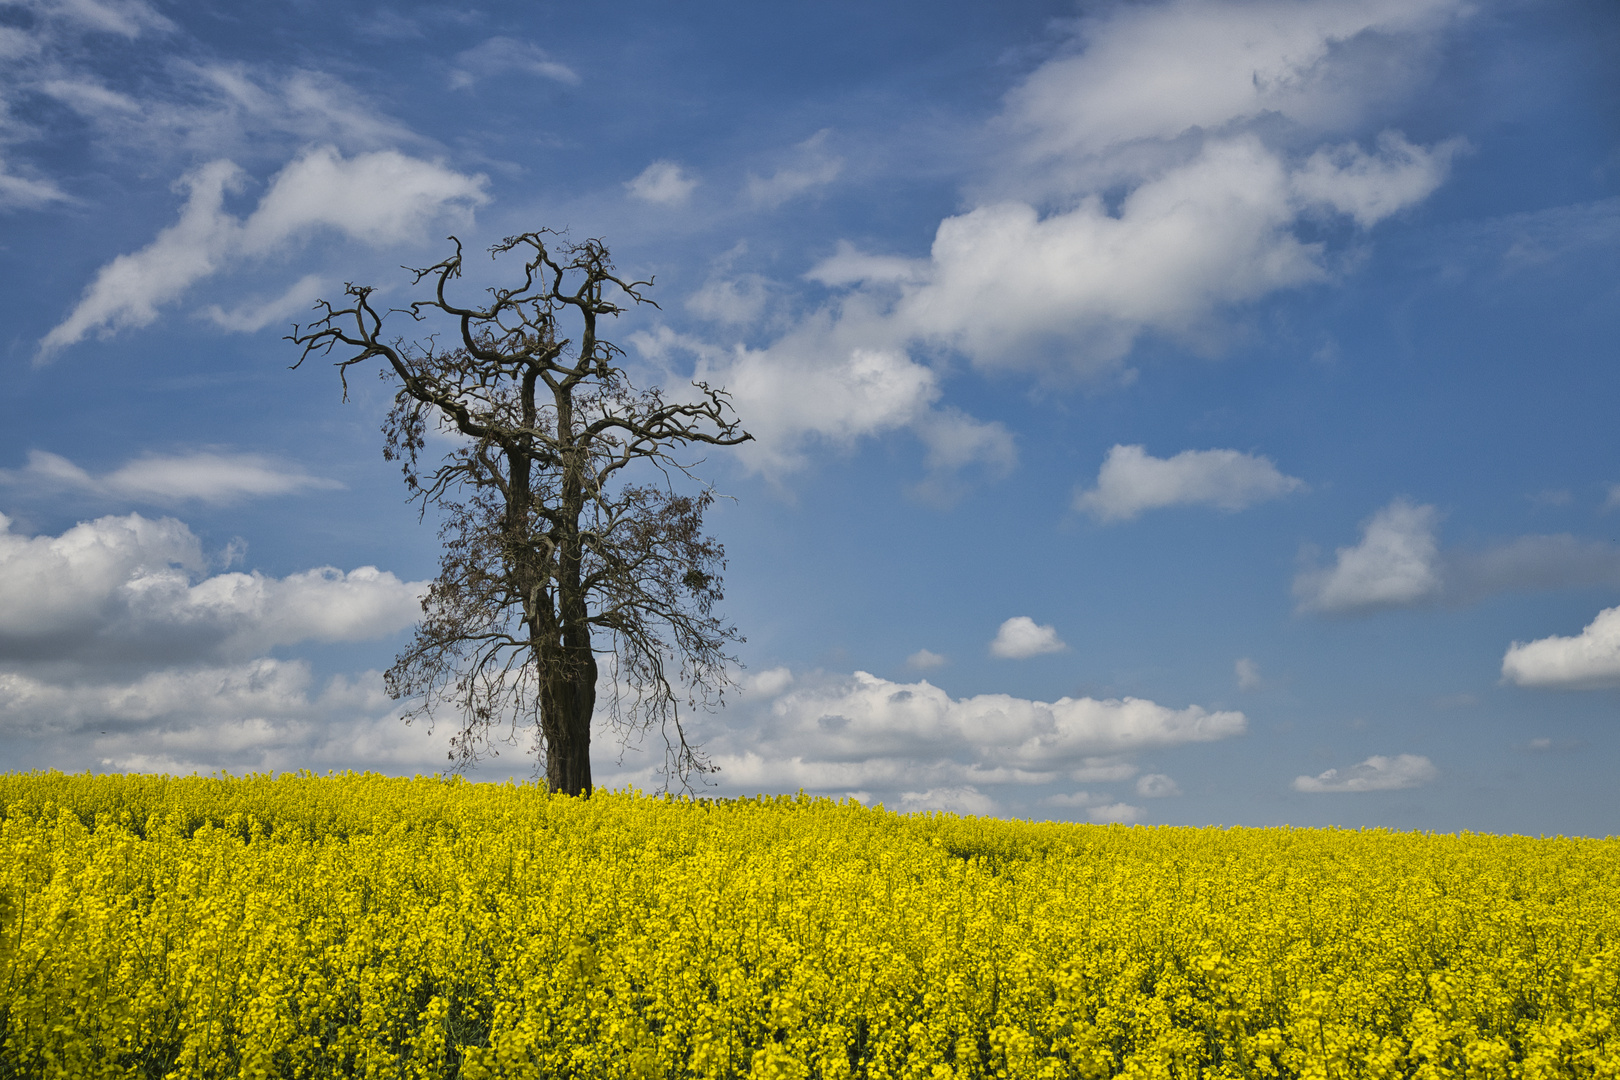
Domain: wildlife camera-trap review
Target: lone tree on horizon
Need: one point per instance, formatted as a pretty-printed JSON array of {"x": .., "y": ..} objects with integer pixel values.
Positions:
[{"x": 559, "y": 514}]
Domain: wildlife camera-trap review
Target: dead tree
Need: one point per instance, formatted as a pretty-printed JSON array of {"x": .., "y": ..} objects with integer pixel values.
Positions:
[{"x": 565, "y": 537}]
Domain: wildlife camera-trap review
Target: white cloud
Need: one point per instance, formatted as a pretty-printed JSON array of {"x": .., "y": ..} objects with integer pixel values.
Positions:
[
  {"x": 1115, "y": 814},
  {"x": 1589, "y": 660},
  {"x": 849, "y": 266},
  {"x": 217, "y": 109},
  {"x": 663, "y": 182},
  {"x": 1157, "y": 786},
  {"x": 1248, "y": 674},
  {"x": 27, "y": 193},
  {"x": 1097, "y": 808},
  {"x": 923, "y": 660},
  {"x": 1396, "y": 564},
  {"x": 1014, "y": 290},
  {"x": 769, "y": 683},
  {"x": 814, "y": 389},
  {"x": 134, "y": 589},
  {"x": 502, "y": 54},
  {"x": 1019, "y": 638},
  {"x": 1131, "y": 481},
  {"x": 1103, "y": 770},
  {"x": 737, "y": 301},
  {"x": 1399, "y": 563},
  {"x": 1160, "y": 174},
  {"x": 1158, "y": 71},
  {"x": 253, "y": 316},
  {"x": 913, "y": 744},
  {"x": 812, "y": 167},
  {"x": 202, "y": 476},
  {"x": 1377, "y": 773},
  {"x": 792, "y": 399},
  {"x": 864, "y": 717},
  {"x": 965, "y": 800},
  {"x": 1370, "y": 187},
  {"x": 121, "y": 18},
  {"x": 258, "y": 715},
  {"x": 378, "y": 198}
]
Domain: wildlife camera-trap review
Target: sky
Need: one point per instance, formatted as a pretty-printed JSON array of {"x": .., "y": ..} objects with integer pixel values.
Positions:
[{"x": 1191, "y": 412}]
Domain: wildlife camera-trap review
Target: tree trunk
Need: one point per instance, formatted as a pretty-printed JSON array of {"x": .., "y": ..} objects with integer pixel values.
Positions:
[{"x": 566, "y": 711}]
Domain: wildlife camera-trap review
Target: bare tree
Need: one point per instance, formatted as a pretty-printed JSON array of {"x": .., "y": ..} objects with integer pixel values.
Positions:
[{"x": 560, "y": 515}]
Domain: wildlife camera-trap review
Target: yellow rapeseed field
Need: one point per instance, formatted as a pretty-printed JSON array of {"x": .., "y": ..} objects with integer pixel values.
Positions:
[{"x": 304, "y": 926}]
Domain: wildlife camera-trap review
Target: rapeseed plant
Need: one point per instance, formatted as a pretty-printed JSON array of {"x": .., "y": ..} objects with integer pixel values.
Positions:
[{"x": 355, "y": 925}]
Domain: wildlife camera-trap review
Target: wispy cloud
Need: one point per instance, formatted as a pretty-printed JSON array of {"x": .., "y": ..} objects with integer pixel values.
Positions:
[
  {"x": 499, "y": 55},
  {"x": 203, "y": 476},
  {"x": 378, "y": 198},
  {"x": 811, "y": 166}
]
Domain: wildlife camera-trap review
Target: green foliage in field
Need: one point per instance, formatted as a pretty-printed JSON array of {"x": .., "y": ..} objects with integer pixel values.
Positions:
[{"x": 361, "y": 926}]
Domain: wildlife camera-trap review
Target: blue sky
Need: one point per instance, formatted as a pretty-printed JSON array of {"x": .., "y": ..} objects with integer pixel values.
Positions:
[{"x": 1184, "y": 412}]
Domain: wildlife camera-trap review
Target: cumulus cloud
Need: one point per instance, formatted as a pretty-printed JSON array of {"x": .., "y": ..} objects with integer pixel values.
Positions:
[
  {"x": 736, "y": 301},
  {"x": 135, "y": 589},
  {"x": 1587, "y": 661},
  {"x": 1131, "y": 481},
  {"x": 1396, "y": 564},
  {"x": 663, "y": 183},
  {"x": 923, "y": 660},
  {"x": 1248, "y": 674},
  {"x": 769, "y": 683},
  {"x": 257, "y": 715},
  {"x": 1096, "y": 808},
  {"x": 1377, "y": 773},
  {"x": 914, "y": 745},
  {"x": 1115, "y": 814},
  {"x": 119, "y": 649},
  {"x": 377, "y": 198},
  {"x": 866, "y": 717},
  {"x": 1174, "y": 164},
  {"x": 966, "y": 800},
  {"x": 1019, "y": 638},
  {"x": 1156, "y": 71},
  {"x": 1399, "y": 563},
  {"x": 817, "y": 388},
  {"x": 1015, "y": 289},
  {"x": 1149, "y": 185},
  {"x": 202, "y": 476},
  {"x": 499, "y": 55}
]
